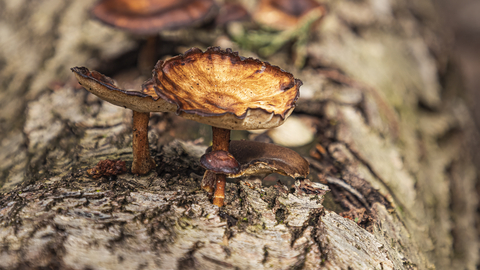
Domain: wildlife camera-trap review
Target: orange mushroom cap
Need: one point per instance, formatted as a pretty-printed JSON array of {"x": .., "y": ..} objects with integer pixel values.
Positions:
[
  {"x": 152, "y": 16},
  {"x": 225, "y": 90}
]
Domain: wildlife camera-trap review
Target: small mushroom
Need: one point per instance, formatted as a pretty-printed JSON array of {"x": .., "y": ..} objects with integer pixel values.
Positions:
[
  {"x": 286, "y": 14},
  {"x": 258, "y": 158},
  {"x": 151, "y": 16},
  {"x": 141, "y": 104},
  {"x": 220, "y": 162},
  {"x": 226, "y": 91}
]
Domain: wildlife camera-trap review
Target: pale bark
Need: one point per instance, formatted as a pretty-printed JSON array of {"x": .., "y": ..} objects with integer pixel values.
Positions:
[{"x": 397, "y": 135}]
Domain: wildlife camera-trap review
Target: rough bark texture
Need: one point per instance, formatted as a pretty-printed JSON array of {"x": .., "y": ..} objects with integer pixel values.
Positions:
[{"x": 387, "y": 107}]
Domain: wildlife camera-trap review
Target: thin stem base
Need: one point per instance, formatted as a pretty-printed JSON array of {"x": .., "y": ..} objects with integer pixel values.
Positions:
[
  {"x": 220, "y": 142},
  {"x": 142, "y": 161},
  {"x": 219, "y": 196}
]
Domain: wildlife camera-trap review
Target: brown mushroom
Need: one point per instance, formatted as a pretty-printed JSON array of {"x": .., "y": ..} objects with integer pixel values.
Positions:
[
  {"x": 226, "y": 91},
  {"x": 141, "y": 104},
  {"x": 258, "y": 158},
  {"x": 286, "y": 14},
  {"x": 217, "y": 163},
  {"x": 151, "y": 16},
  {"x": 220, "y": 162}
]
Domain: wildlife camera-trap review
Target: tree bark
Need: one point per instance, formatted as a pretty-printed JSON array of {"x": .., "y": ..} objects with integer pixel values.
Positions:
[{"x": 383, "y": 95}]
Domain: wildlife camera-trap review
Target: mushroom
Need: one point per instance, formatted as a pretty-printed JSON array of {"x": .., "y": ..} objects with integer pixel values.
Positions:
[
  {"x": 220, "y": 162},
  {"x": 141, "y": 104},
  {"x": 258, "y": 158},
  {"x": 217, "y": 163},
  {"x": 228, "y": 92},
  {"x": 215, "y": 87},
  {"x": 286, "y": 14},
  {"x": 149, "y": 17}
]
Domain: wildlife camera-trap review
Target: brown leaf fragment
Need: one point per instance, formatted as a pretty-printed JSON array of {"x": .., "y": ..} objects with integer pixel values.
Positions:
[{"x": 108, "y": 168}]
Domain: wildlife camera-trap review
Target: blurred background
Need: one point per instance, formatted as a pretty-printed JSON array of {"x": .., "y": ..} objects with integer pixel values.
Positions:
[{"x": 463, "y": 18}]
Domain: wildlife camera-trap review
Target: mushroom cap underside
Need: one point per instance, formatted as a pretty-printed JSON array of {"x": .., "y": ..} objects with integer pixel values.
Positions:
[
  {"x": 105, "y": 88},
  {"x": 257, "y": 158},
  {"x": 216, "y": 83},
  {"x": 152, "y": 16}
]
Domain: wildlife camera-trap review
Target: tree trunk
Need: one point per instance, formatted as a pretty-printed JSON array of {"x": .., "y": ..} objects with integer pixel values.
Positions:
[{"x": 395, "y": 144}]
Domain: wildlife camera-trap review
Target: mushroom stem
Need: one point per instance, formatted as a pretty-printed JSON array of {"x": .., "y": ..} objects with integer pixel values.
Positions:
[
  {"x": 220, "y": 142},
  {"x": 219, "y": 196},
  {"x": 142, "y": 161},
  {"x": 220, "y": 139},
  {"x": 147, "y": 55}
]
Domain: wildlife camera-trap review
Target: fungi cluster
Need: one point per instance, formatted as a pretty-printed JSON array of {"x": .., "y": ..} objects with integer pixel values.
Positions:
[{"x": 221, "y": 89}]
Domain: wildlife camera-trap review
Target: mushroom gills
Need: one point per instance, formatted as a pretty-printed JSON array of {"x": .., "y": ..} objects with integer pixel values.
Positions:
[{"x": 104, "y": 87}]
